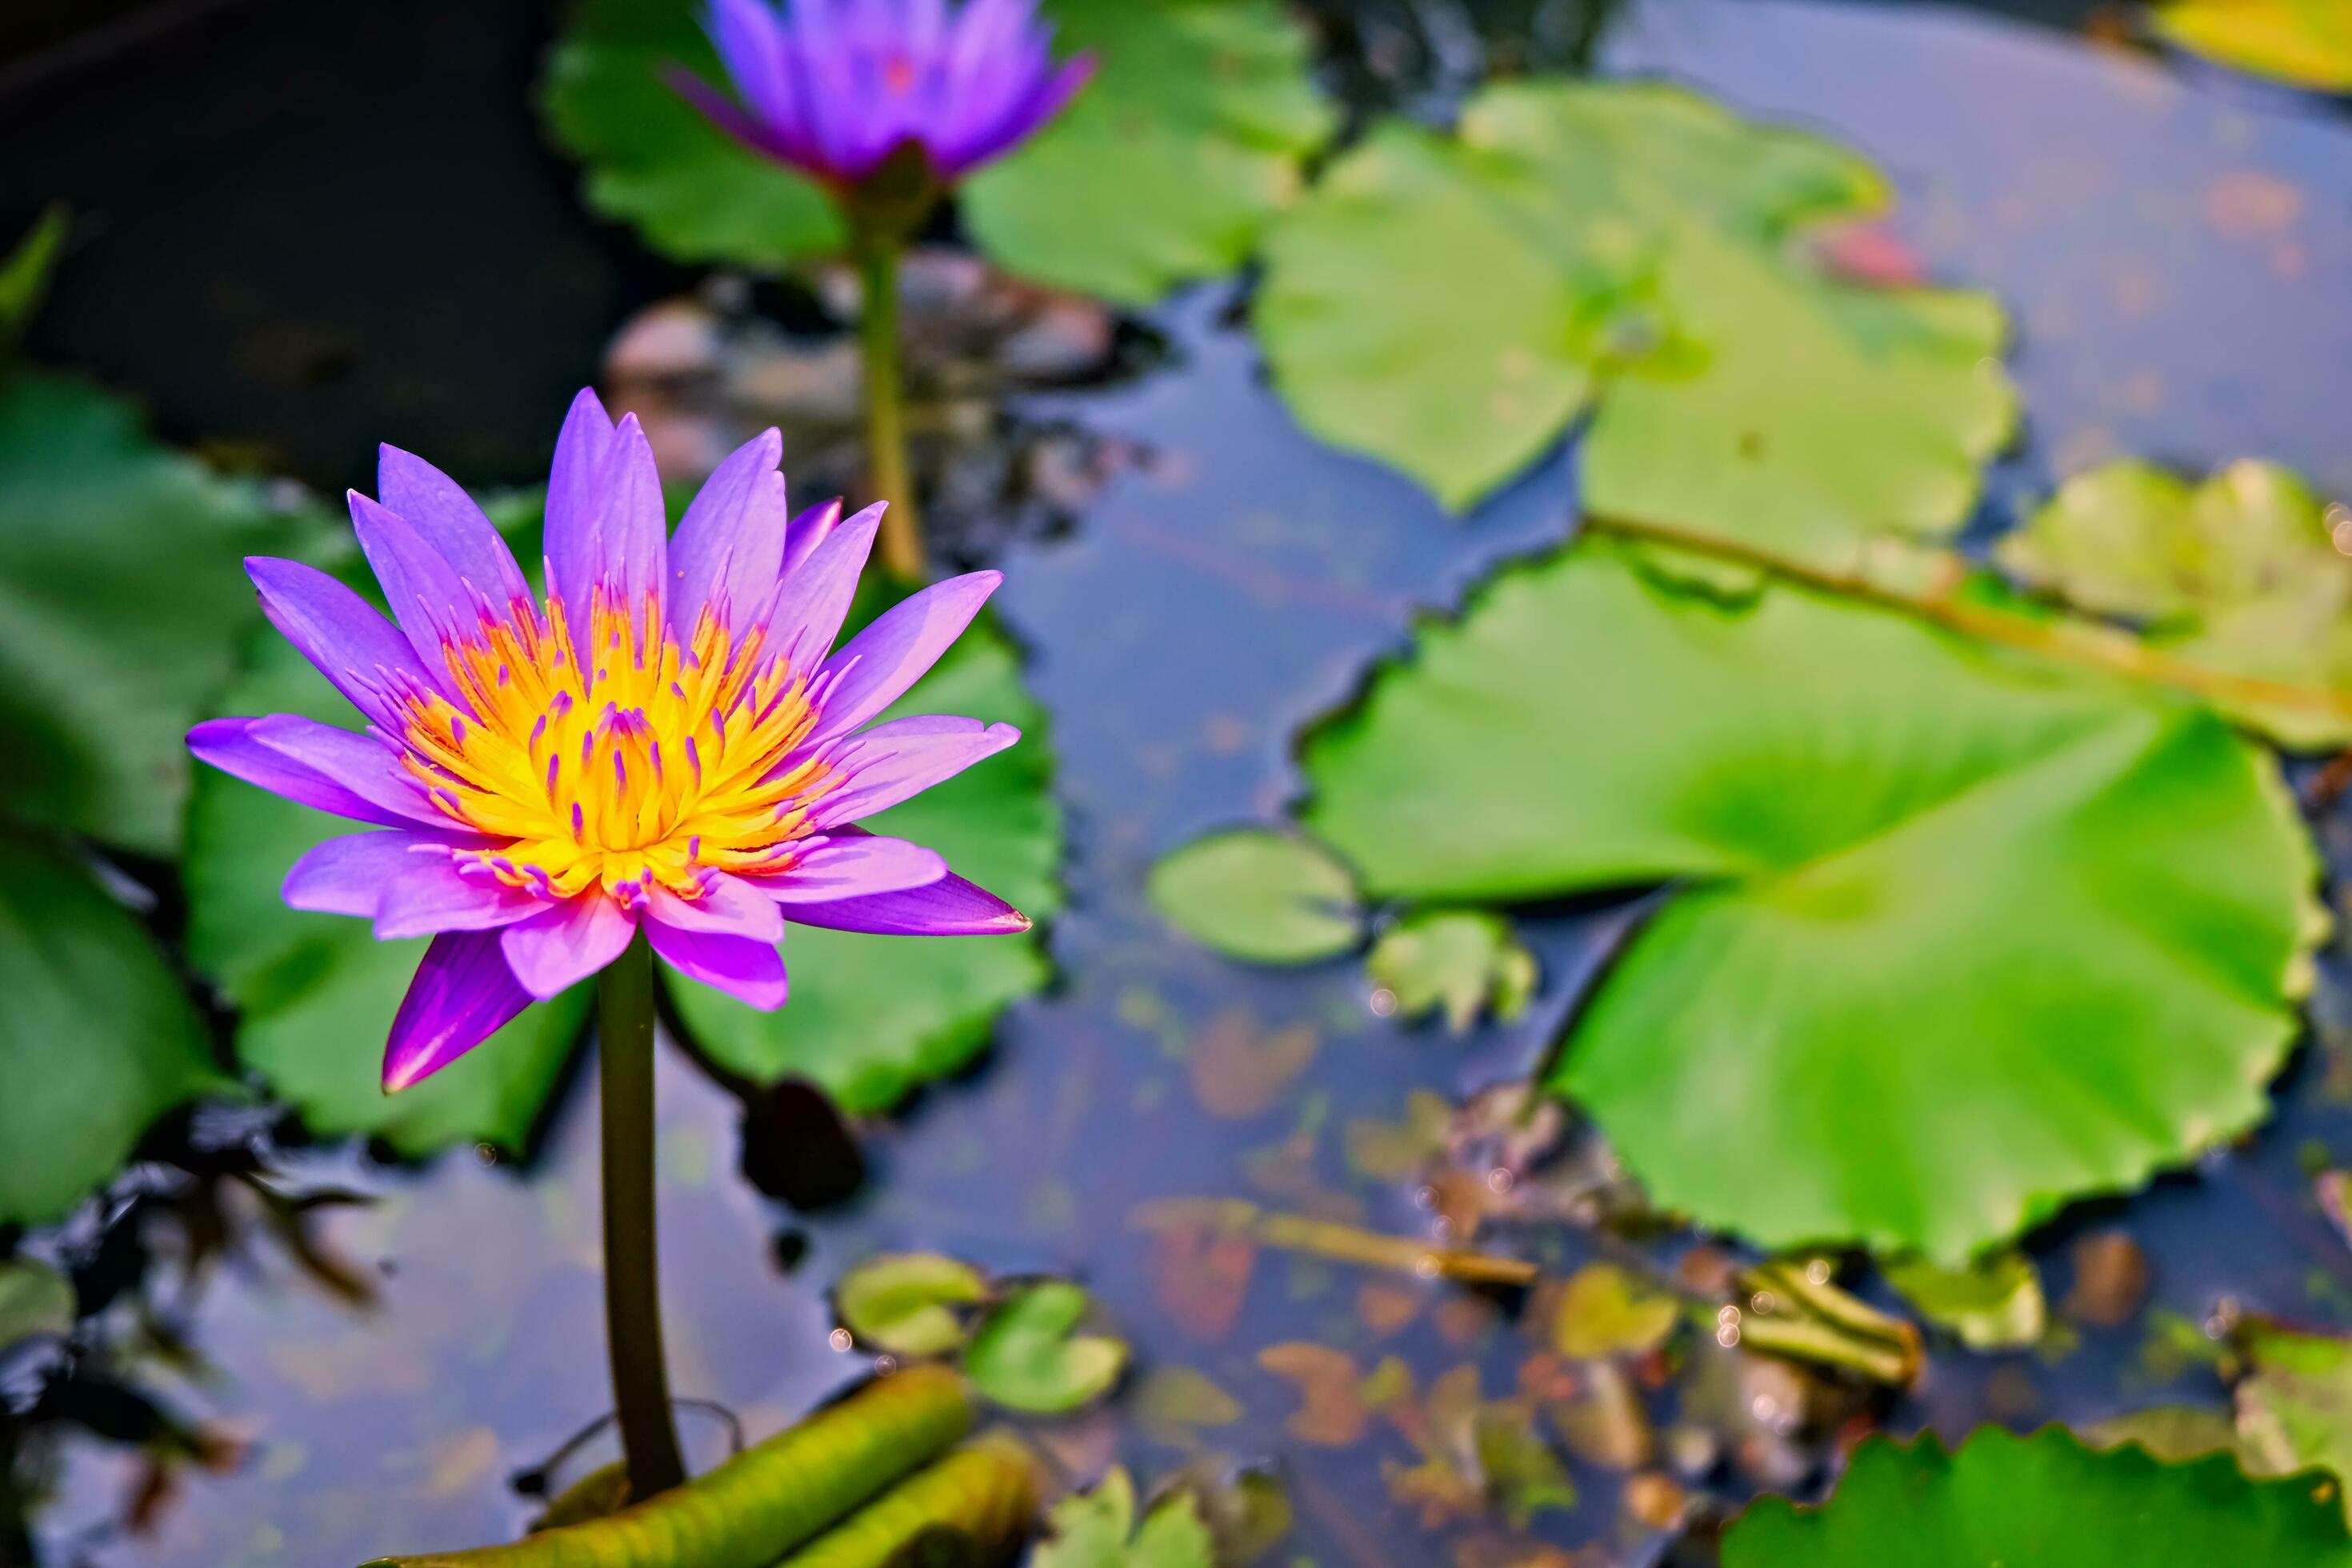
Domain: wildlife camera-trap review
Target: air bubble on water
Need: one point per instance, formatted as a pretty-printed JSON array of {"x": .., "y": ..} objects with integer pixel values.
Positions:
[{"x": 838, "y": 1340}]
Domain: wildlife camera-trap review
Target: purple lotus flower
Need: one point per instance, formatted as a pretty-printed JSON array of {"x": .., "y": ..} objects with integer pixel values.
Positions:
[
  {"x": 834, "y": 87},
  {"x": 670, "y": 745}
]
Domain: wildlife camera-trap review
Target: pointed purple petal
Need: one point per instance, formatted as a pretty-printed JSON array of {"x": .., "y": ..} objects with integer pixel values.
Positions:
[
  {"x": 573, "y": 500},
  {"x": 237, "y": 747},
  {"x": 463, "y": 993},
  {"x": 728, "y": 906},
  {"x": 360, "y": 764},
  {"x": 849, "y": 866},
  {"x": 806, "y": 531},
  {"x": 438, "y": 507},
  {"x": 429, "y": 600},
  {"x": 815, "y": 600},
  {"x": 361, "y": 655},
  {"x": 561, "y": 946},
  {"x": 438, "y": 894},
  {"x": 729, "y": 547},
  {"x": 948, "y": 907},
  {"x": 892, "y": 762},
  {"x": 348, "y": 876},
  {"x": 634, "y": 545},
  {"x": 886, "y": 658},
  {"x": 750, "y": 972}
]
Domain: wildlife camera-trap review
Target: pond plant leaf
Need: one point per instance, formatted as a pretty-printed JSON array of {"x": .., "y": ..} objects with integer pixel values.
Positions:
[
  {"x": 904, "y": 1302},
  {"x": 2043, "y": 1499},
  {"x": 873, "y": 1018},
  {"x": 1098, "y": 1529},
  {"x": 316, "y": 993},
  {"x": 1193, "y": 131},
  {"x": 1993, "y": 1303},
  {"x": 97, "y": 1037},
  {"x": 2294, "y": 1404},
  {"x": 1958, "y": 934},
  {"x": 1464, "y": 962},
  {"x": 35, "y": 1301},
  {"x": 1639, "y": 256},
  {"x": 2242, "y": 574},
  {"x": 753, "y": 1509},
  {"x": 1604, "y": 1311},
  {"x": 122, "y": 600},
  {"x": 974, "y": 1506},
  {"x": 1025, "y": 1357},
  {"x": 1271, "y": 898},
  {"x": 2170, "y": 1432},
  {"x": 2306, "y": 42},
  {"x": 652, "y": 161}
]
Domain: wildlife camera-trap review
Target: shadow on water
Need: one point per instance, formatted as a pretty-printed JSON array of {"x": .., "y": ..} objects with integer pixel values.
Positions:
[{"x": 2177, "y": 260}]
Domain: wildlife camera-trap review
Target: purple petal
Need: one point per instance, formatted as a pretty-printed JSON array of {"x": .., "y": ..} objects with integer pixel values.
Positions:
[
  {"x": 360, "y": 764},
  {"x": 574, "y": 497},
  {"x": 431, "y": 602},
  {"x": 438, "y": 507},
  {"x": 806, "y": 531},
  {"x": 852, "y": 865},
  {"x": 463, "y": 993},
  {"x": 886, "y": 658},
  {"x": 561, "y": 946},
  {"x": 728, "y": 906},
  {"x": 892, "y": 762},
  {"x": 729, "y": 547},
  {"x": 750, "y": 972},
  {"x": 750, "y": 41},
  {"x": 361, "y": 655},
  {"x": 634, "y": 545},
  {"x": 948, "y": 907},
  {"x": 239, "y": 748},
  {"x": 815, "y": 600},
  {"x": 439, "y": 894},
  {"x": 348, "y": 876}
]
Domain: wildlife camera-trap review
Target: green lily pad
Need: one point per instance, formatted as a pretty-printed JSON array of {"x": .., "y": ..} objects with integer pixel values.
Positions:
[
  {"x": 97, "y": 1040},
  {"x": 653, "y": 163},
  {"x": 872, "y": 1017},
  {"x": 1642, "y": 255},
  {"x": 1025, "y": 1356},
  {"x": 905, "y": 1302},
  {"x": 2306, "y": 42},
  {"x": 35, "y": 1299},
  {"x": 1959, "y": 935},
  {"x": 1607, "y": 1311},
  {"x": 1193, "y": 131},
  {"x": 2241, "y": 573},
  {"x": 122, "y": 600},
  {"x": 2045, "y": 1498},
  {"x": 2294, "y": 1406},
  {"x": 1273, "y": 897},
  {"x": 1464, "y": 961},
  {"x": 2170, "y": 1432},
  {"x": 1098, "y": 1530},
  {"x": 1995, "y": 1303}
]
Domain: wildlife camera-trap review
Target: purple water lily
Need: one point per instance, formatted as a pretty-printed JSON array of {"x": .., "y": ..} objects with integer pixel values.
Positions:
[
  {"x": 670, "y": 745},
  {"x": 834, "y": 87}
]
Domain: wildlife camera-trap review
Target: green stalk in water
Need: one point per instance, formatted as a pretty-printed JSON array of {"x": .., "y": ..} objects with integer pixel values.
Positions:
[
  {"x": 970, "y": 1509},
  {"x": 885, "y": 412},
  {"x": 772, "y": 1497},
  {"x": 624, "y": 1050}
]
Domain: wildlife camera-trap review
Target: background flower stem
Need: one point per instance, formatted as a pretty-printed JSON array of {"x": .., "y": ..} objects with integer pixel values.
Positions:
[
  {"x": 624, "y": 1049},
  {"x": 886, "y": 417}
]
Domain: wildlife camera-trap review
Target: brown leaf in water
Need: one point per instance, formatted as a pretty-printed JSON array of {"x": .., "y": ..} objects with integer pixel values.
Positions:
[
  {"x": 1201, "y": 1277},
  {"x": 1331, "y": 1414},
  {"x": 1239, "y": 1072},
  {"x": 2110, "y": 1279},
  {"x": 1384, "y": 1309}
]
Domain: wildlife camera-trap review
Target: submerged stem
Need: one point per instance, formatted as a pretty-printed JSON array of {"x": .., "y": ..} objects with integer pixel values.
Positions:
[
  {"x": 624, "y": 1049},
  {"x": 886, "y": 410}
]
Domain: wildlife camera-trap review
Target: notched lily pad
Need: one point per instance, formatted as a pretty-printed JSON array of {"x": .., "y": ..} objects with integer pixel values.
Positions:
[
  {"x": 1640, "y": 253},
  {"x": 1465, "y": 961},
  {"x": 2244, "y": 574},
  {"x": 905, "y": 1302},
  {"x": 1271, "y": 898},
  {"x": 1025, "y": 1356},
  {"x": 1932, "y": 896},
  {"x": 1605, "y": 1311},
  {"x": 1994, "y": 1303},
  {"x": 2294, "y": 1406},
  {"x": 1098, "y": 1529}
]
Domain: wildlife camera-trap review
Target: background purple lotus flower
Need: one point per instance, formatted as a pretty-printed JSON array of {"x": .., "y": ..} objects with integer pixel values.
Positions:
[
  {"x": 669, "y": 746},
  {"x": 834, "y": 87}
]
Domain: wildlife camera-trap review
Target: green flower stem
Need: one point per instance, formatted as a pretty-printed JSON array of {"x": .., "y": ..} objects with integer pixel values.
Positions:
[
  {"x": 886, "y": 408},
  {"x": 624, "y": 1049}
]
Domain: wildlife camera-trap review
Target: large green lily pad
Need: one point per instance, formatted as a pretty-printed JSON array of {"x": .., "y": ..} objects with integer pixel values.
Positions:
[
  {"x": 1192, "y": 133},
  {"x": 2042, "y": 1499},
  {"x": 316, "y": 994},
  {"x": 2294, "y": 1404},
  {"x": 120, "y": 603},
  {"x": 1453, "y": 304},
  {"x": 97, "y": 1040},
  {"x": 873, "y": 1016},
  {"x": 1957, "y": 935},
  {"x": 2241, "y": 573}
]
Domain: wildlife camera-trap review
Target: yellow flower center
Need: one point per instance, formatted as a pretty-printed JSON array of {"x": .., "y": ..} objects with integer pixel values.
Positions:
[{"x": 620, "y": 759}]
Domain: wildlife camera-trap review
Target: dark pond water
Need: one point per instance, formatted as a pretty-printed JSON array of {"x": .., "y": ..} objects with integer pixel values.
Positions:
[{"x": 2178, "y": 254}]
